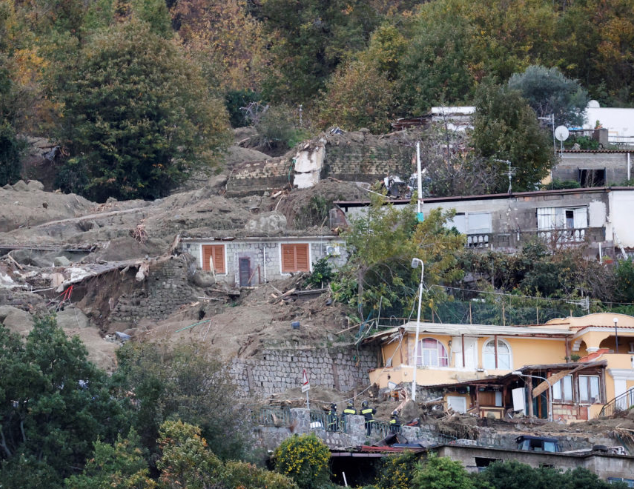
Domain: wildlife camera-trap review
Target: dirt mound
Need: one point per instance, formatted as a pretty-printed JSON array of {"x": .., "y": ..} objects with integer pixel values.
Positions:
[{"x": 26, "y": 204}]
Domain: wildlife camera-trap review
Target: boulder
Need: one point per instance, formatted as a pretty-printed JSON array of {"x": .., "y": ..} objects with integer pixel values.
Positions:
[
  {"x": 203, "y": 279},
  {"x": 61, "y": 261},
  {"x": 20, "y": 186},
  {"x": 16, "y": 320},
  {"x": 72, "y": 318},
  {"x": 35, "y": 185},
  {"x": 269, "y": 223}
]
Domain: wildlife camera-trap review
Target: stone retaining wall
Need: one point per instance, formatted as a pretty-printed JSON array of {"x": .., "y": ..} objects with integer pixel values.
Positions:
[
  {"x": 277, "y": 370},
  {"x": 165, "y": 289}
]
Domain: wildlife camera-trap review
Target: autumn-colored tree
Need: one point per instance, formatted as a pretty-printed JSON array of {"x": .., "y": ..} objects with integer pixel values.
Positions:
[{"x": 227, "y": 37}]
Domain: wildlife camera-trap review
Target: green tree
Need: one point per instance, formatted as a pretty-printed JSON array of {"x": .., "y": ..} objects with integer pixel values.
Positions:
[
  {"x": 506, "y": 128},
  {"x": 54, "y": 404},
  {"x": 137, "y": 116},
  {"x": 309, "y": 40},
  {"x": 435, "y": 70},
  {"x": 548, "y": 92},
  {"x": 305, "y": 459},
  {"x": 624, "y": 281},
  {"x": 118, "y": 466},
  {"x": 11, "y": 150},
  {"x": 381, "y": 245},
  {"x": 185, "y": 382},
  {"x": 442, "y": 473},
  {"x": 397, "y": 472}
]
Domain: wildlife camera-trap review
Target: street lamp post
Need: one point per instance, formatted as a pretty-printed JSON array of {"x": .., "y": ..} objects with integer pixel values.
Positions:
[
  {"x": 415, "y": 262},
  {"x": 550, "y": 391}
]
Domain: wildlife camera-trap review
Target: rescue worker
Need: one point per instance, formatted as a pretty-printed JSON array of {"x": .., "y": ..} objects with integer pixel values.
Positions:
[
  {"x": 368, "y": 413},
  {"x": 350, "y": 409},
  {"x": 332, "y": 418},
  {"x": 395, "y": 422}
]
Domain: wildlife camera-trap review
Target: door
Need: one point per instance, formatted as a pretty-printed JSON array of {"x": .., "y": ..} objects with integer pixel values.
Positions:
[
  {"x": 458, "y": 404},
  {"x": 245, "y": 272}
]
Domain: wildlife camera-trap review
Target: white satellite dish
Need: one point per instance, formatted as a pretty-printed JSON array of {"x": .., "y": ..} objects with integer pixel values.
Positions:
[
  {"x": 562, "y": 133},
  {"x": 593, "y": 104}
]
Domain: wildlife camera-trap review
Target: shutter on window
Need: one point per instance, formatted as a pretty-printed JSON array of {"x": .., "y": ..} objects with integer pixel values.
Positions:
[
  {"x": 301, "y": 253},
  {"x": 288, "y": 258},
  {"x": 217, "y": 254}
]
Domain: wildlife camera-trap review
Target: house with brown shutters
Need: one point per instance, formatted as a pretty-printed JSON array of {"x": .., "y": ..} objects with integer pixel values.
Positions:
[{"x": 254, "y": 260}]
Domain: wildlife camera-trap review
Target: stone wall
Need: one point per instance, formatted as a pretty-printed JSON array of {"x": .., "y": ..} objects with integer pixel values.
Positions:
[
  {"x": 165, "y": 289},
  {"x": 367, "y": 163},
  {"x": 258, "y": 176},
  {"x": 274, "y": 370}
]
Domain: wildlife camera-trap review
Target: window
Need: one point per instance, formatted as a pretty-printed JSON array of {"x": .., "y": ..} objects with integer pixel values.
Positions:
[
  {"x": 589, "y": 388},
  {"x": 295, "y": 258},
  {"x": 214, "y": 254},
  {"x": 432, "y": 353},
  {"x": 503, "y": 355},
  {"x": 549, "y": 218},
  {"x": 592, "y": 178},
  {"x": 562, "y": 390}
]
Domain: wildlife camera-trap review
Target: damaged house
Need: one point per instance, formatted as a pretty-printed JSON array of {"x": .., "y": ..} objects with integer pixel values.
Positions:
[{"x": 567, "y": 369}]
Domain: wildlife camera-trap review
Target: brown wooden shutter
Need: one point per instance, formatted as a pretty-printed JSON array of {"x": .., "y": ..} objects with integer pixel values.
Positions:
[
  {"x": 217, "y": 253},
  {"x": 288, "y": 258},
  {"x": 301, "y": 258},
  {"x": 295, "y": 258}
]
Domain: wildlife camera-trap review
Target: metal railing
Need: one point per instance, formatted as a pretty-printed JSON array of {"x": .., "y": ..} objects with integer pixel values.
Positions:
[
  {"x": 622, "y": 402},
  {"x": 271, "y": 417}
]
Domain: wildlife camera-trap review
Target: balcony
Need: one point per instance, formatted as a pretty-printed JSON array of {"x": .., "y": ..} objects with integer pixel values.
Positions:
[{"x": 513, "y": 240}]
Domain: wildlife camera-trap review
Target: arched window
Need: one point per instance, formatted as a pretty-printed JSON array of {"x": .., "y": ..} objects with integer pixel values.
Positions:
[
  {"x": 432, "y": 353},
  {"x": 503, "y": 355}
]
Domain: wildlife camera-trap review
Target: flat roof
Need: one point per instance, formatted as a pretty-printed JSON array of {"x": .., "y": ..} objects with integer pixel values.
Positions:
[
  {"x": 475, "y": 330},
  {"x": 535, "y": 193}
]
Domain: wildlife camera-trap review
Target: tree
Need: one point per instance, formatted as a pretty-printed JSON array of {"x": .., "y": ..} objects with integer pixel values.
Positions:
[
  {"x": 397, "y": 472},
  {"x": 11, "y": 150},
  {"x": 185, "y": 382},
  {"x": 137, "y": 117},
  {"x": 54, "y": 404},
  {"x": 442, "y": 473},
  {"x": 380, "y": 267},
  {"x": 435, "y": 69},
  {"x": 357, "y": 96},
  {"x": 506, "y": 128},
  {"x": 548, "y": 92},
  {"x": 118, "y": 466},
  {"x": 305, "y": 459},
  {"x": 309, "y": 40}
]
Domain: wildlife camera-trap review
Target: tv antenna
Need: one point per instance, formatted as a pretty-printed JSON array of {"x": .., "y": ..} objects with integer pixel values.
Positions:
[{"x": 510, "y": 173}]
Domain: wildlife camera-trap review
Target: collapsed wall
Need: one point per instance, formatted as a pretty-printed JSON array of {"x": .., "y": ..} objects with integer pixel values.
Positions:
[{"x": 277, "y": 370}]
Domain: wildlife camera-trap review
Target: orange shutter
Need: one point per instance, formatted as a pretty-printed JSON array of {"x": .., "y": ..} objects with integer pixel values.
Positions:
[
  {"x": 217, "y": 253},
  {"x": 301, "y": 258},
  {"x": 295, "y": 258}
]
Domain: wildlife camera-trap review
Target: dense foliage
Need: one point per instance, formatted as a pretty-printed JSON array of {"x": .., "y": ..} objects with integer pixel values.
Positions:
[{"x": 305, "y": 459}]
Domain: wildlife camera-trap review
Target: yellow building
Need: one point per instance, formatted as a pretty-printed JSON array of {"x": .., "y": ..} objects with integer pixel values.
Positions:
[{"x": 485, "y": 368}]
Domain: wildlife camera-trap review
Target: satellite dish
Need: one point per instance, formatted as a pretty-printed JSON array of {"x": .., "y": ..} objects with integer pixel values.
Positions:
[
  {"x": 593, "y": 104},
  {"x": 562, "y": 133}
]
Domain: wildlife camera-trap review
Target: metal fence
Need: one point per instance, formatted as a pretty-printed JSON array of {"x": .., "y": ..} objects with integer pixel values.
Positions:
[{"x": 268, "y": 416}]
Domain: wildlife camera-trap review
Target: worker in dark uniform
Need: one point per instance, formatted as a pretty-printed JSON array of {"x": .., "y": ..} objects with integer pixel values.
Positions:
[
  {"x": 395, "y": 423},
  {"x": 368, "y": 413},
  {"x": 332, "y": 419},
  {"x": 350, "y": 409}
]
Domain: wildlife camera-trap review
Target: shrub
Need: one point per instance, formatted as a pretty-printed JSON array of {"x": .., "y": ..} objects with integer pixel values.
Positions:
[
  {"x": 304, "y": 459},
  {"x": 11, "y": 149},
  {"x": 322, "y": 273},
  {"x": 397, "y": 472}
]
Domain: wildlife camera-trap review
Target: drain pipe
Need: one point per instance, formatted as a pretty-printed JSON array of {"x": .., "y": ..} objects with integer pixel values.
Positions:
[{"x": 629, "y": 166}]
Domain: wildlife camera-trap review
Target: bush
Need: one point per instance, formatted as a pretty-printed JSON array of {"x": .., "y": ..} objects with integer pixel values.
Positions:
[
  {"x": 304, "y": 459},
  {"x": 278, "y": 128},
  {"x": 397, "y": 472},
  {"x": 561, "y": 184},
  {"x": 624, "y": 274},
  {"x": 322, "y": 274}
]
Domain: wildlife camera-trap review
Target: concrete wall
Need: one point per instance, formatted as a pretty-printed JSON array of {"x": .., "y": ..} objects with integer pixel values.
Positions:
[
  {"x": 621, "y": 206},
  {"x": 275, "y": 371},
  {"x": 602, "y": 465},
  {"x": 615, "y": 164},
  {"x": 265, "y": 254}
]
